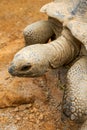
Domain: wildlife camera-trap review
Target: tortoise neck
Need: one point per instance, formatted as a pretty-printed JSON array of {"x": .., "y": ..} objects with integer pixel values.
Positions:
[{"x": 56, "y": 26}]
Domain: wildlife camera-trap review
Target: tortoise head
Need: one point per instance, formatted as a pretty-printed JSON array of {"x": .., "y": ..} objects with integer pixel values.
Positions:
[{"x": 31, "y": 61}]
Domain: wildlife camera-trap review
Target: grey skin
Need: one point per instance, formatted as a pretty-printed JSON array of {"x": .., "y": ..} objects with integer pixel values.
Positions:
[{"x": 66, "y": 27}]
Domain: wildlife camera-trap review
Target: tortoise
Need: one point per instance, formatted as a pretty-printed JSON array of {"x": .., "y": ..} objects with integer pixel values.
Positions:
[{"x": 66, "y": 30}]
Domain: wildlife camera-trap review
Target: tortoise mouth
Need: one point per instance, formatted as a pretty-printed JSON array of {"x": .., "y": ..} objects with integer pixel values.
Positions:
[{"x": 24, "y": 72}]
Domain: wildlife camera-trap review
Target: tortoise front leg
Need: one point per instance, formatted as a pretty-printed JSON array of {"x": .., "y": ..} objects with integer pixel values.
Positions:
[
  {"x": 38, "y": 32},
  {"x": 75, "y": 97}
]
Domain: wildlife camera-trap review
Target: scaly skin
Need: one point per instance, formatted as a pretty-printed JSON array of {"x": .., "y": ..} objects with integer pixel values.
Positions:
[{"x": 75, "y": 97}]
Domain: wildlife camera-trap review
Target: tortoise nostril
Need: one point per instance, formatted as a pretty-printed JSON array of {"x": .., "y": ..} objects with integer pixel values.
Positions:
[
  {"x": 25, "y": 67},
  {"x": 10, "y": 70}
]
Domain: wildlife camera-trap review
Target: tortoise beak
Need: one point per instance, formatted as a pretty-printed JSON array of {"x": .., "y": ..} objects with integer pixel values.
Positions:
[{"x": 11, "y": 70}]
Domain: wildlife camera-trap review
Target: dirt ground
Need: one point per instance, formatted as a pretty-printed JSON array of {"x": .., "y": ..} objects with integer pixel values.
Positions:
[{"x": 25, "y": 103}]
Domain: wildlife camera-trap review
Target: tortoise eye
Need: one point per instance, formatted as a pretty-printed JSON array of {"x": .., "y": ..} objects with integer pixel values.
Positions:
[{"x": 25, "y": 67}]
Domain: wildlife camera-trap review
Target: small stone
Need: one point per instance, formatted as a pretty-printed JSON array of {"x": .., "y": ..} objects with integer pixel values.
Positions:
[
  {"x": 16, "y": 109},
  {"x": 25, "y": 118},
  {"x": 31, "y": 117},
  {"x": 15, "y": 122},
  {"x": 18, "y": 118},
  {"x": 38, "y": 121},
  {"x": 37, "y": 114},
  {"x": 28, "y": 106},
  {"x": 21, "y": 107},
  {"x": 41, "y": 117},
  {"x": 34, "y": 109}
]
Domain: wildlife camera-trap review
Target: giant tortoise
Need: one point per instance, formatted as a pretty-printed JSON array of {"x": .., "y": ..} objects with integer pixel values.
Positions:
[{"x": 65, "y": 33}]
